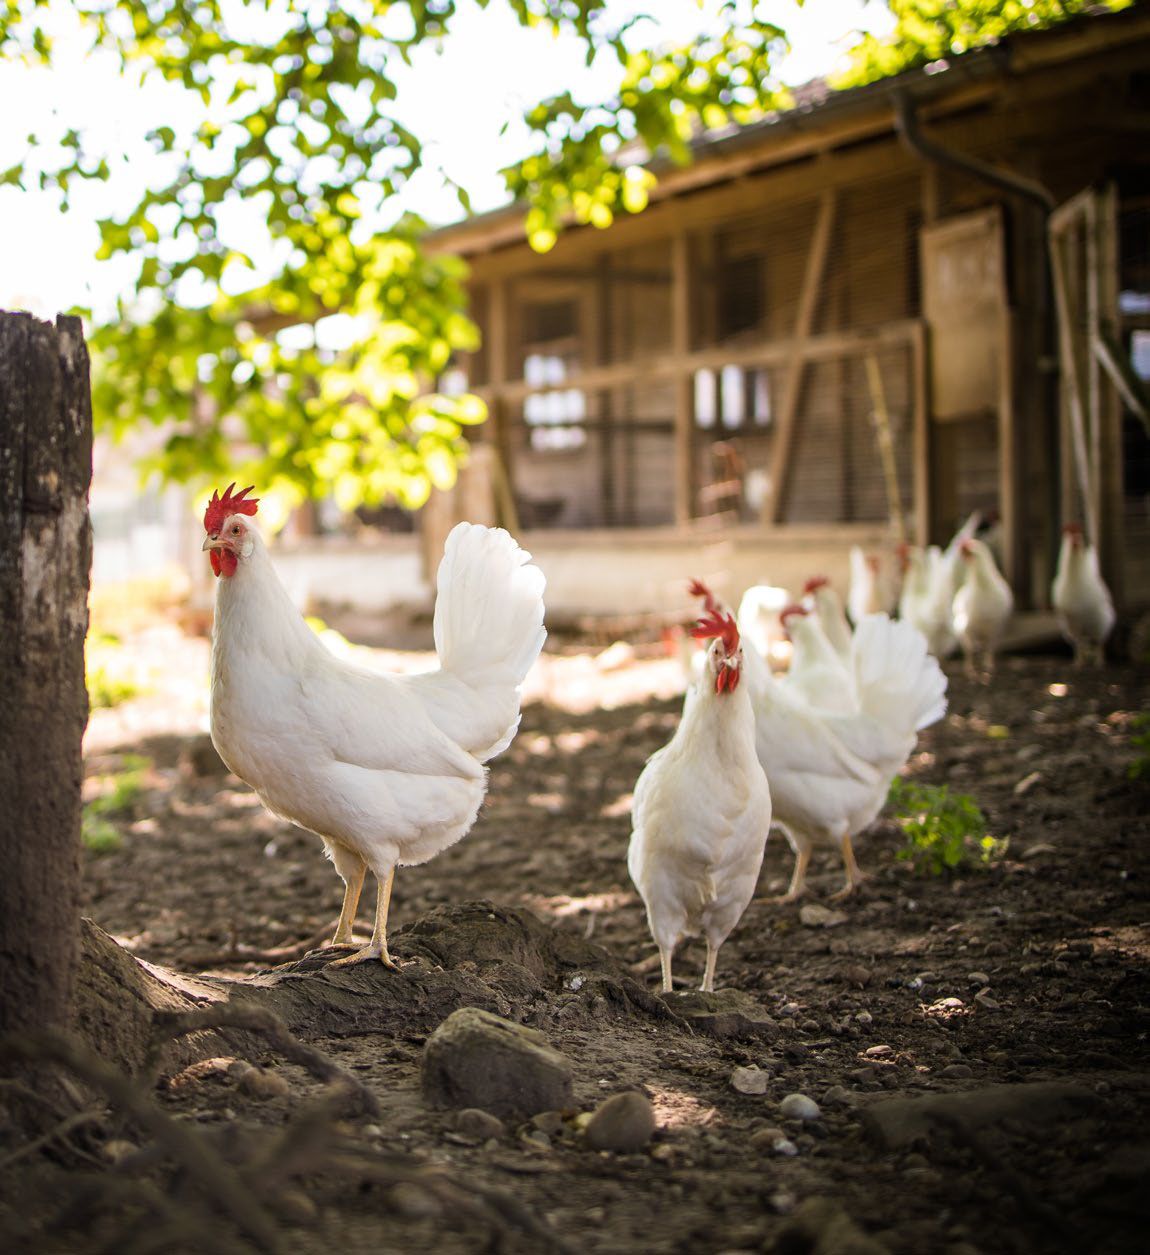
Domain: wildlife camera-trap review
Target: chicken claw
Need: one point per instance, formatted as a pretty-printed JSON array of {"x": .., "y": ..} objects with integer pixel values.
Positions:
[{"x": 365, "y": 956}]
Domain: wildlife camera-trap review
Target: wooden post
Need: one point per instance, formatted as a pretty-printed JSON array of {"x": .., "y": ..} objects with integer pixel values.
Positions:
[
  {"x": 682, "y": 305},
  {"x": 1110, "y": 520},
  {"x": 497, "y": 353},
  {"x": 793, "y": 385},
  {"x": 45, "y": 556}
]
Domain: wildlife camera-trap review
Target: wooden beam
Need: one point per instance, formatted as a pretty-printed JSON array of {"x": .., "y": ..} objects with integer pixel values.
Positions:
[
  {"x": 1009, "y": 489},
  {"x": 921, "y": 436},
  {"x": 498, "y": 345},
  {"x": 1111, "y": 521},
  {"x": 765, "y": 353},
  {"x": 682, "y": 305},
  {"x": 783, "y": 435}
]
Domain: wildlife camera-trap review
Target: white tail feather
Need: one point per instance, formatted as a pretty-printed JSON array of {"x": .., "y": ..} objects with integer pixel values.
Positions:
[
  {"x": 898, "y": 681},
  {"x": 488, "y": 631}
]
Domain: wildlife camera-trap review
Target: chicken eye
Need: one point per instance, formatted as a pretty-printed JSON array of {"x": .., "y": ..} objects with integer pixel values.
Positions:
[{"x": 235, "y": 529}]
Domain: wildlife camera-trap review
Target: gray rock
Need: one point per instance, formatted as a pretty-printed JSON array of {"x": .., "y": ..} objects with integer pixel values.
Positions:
[
  {"x": 750, "y": 1080},
  {"x": 799, "y": 1107},
  {"x": 838, "y": 1094},
  {"x": 472, "y": 1122},
  {"x": 549, "y": 1122},
  {"x": 725, "y": 1013},
  {"x": 624, "y": 1122},
  {"x": 262, "y": 1084},
  {"x": 978, "y": 978},
  {"x": 476, "y": 1059},
  {"x": 957, "y": 1072},
  {"x": 821, "y": 1227},
  {"x": 815, "y": 916}
]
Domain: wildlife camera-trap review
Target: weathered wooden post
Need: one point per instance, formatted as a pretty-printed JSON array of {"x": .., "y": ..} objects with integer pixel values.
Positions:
[{"x": 45, "y": 556}]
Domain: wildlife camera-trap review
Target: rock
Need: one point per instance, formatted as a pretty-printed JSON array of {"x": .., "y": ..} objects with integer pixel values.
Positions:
[
  {"x": 978, "y": 978},
  {"x": 784, "y": 1146},
  {"x": 897, "y": 1122},
  {"x": 472, "y": 1122},
  {"x": 727, "y": 1013},
  {"x": 263, "y": 1084},
  {"x": 1023, "y": 787},
  {"x": 858, "y": 975},
  {"x": 984, "y": 999},
  {"x": 413, "y": 1202},
  {"x": 957, "y": 1072},
  {"x": 799, "y": 1107},
  {"x": 864, "y": 1018},
  {"x": 752, "y": 1080},
  {"x": 879, "y": 1052},
  {"x": 838, "y": 1094},
  {"x": 549, "y": 1122},
  {"x": 296, "y": 1207},
  {"x": 117, "y": 1149},
  {"x": 624, "y": 1122},
  {"x": 476, "y": 1059},
  {"x": 815, "y": 916},
  {"x": 821, "y": 1227}
]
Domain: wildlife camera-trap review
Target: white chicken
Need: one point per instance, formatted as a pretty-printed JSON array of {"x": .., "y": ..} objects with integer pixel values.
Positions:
[
  {"x": 819, "y": 674},
  {"x": 830, "y": 773},
  {"x": 758, "y": 618},
  {"x": 927, "y": 595},
  {"x": 702, "y": 810},
  {"x": 865, "y": 595},
  {"x": 820, "y": 597},
  {"x": 1080, "y": 596},
  {"x": 386, "y": 770},
  {"x": 982, "y": 606}
]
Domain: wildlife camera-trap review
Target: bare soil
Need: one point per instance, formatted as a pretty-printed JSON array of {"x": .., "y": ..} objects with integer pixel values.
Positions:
[{"x": 1025, "y": 973}]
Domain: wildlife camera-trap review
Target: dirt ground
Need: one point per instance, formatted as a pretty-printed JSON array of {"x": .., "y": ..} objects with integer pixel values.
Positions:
[{"x": 1029, "y": 972}]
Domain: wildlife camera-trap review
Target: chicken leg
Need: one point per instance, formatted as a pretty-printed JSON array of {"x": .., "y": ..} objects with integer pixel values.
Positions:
[
  {"x": 665, "y": 962},
  {"x": 854, "y": 872},
  {"x": 798, "y": 876},
  {"x": 708, "y": 985},
  {"x": 378, "y": 947},
  {"x": 352, "y": 887}
]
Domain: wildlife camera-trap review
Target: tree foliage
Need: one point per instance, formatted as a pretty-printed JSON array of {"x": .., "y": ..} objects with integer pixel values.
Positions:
[{"x": 296, "y": 127}]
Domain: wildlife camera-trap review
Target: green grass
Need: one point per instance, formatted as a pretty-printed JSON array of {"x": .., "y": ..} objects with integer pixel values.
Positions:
[
  {"x": 1139, "y": 769},
  {"x": 943, "y": 832},
  {"x": 99, "y": 828}
]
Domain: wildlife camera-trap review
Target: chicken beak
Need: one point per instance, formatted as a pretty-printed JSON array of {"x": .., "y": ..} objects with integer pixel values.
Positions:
[{"x": 210, "y": 542}]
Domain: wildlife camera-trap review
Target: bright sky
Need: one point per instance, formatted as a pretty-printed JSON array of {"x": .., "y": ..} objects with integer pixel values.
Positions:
[{"x": 457, "y": 100}]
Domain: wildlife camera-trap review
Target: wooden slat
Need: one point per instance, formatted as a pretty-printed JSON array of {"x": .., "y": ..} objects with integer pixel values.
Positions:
[
  {"x": 682, "y": 304},
  {"x": 920, "y": 423},
  {"x": 783, "y": 435}
]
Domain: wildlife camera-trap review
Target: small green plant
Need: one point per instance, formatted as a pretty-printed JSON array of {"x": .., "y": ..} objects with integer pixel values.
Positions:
[
  {"x": 944, "y": 831},
  {"x": 107, "y": 685},
  {"x": 1139, "y": 769},
  {"x": 97, "y": 830}
]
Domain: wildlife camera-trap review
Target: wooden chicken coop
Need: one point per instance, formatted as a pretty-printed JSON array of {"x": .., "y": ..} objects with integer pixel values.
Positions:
[{"x": 836, "y": 325}]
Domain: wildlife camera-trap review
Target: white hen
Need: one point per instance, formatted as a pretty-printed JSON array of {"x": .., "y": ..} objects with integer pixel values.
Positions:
[
  {"x": 866, "y": 594},
  {"x": 702, "y": 810},
  {"x": 830, "y": 773},
  {"x": 821, "y": 598},
  {"x": 818, "y": 673},
  {"x": 1080, "y": 596},
  {"x": 386, "y": 770},
  {"x": 927, "y": 596},
  {"x": 982, "y": 606}
]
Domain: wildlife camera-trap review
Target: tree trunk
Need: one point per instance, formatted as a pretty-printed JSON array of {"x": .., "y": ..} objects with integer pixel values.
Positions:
[{"x": 45, "y": 556}]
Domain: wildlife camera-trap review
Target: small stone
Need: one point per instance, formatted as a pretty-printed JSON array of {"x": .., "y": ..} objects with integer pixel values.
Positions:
[
  {"x": 263, "y": 1084},
  {"x": 815, "y": 916},
  {"x": 837, "y": 1094},
  {"x": 413, "y": 1202},
  {"x": 752, "y": 1080},
  {"x": 472, "y": 1122},
  {"x": 957, "y": 1072},
  {"x": 785, "y": 1147},
  {"x": 878, "y": 1052},
  {"x": 980, "y": 979},
  {"x": 238, "y": 1068},
  {"x": 858, "y": 975},
  {"x": 985, "y": 1000},
  {"x": 117, "y": 1149},
  {"x": 549, "y": 1122},
  {"x": 1023, "y": 787},
  {"x": 799, "y": 1107},
  {"x": 296, "y": 1207},
  {"x": 537, "y": 1139},
  {"x": 765, "y": 1139},
  {"x": 476, "y": 1059},
  {"x": 864, "y": 1018},
  {"x": 624, "y": 1122}
]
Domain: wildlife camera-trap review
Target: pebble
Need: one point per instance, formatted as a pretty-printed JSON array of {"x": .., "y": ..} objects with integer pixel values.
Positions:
[
  {"x": 1023, "y": 787},
  {"x": 549, "y": 1122},
  {"x": 296, "y": 1207},
  {"x": 985, "y": 1000},
  {"x": 752, "y": 1080},
  {"x": 837, "y": 1094},
  {"x": 413, "y": 1202},
  {"x": 785, "y": 1147},
  {"x": 815, "y": 916},
  {"x": 864, "y": 1017},
  {"x": 479, "y": 1124},
  {"x": 878, "y": 1052},
  {"x": 978, "y": 978},
  {"x": 799, "y": 1107},
  {"x": 263, "y": 1084},
  {"x": 957, "y": 1071},
  {"x": 118, "y": 1149},
  {"x": 537, "y": 1138},
  {"x": 624, "y": 1122}
]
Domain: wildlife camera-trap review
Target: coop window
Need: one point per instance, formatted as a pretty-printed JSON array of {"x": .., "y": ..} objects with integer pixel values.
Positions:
[
  {"x": 553, "y": 417},
  {"x": 736, "y": 396},
  {"x": 1140, "y": 353}
]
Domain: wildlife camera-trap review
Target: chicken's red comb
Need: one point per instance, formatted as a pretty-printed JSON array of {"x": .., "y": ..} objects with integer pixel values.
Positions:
[
  {"x": 718, "y": 625},
  {"x": 1072, "y": 529},
  {"x": 219, "y": 508},
  {"x": 814, "y": 584},
  {"x": 966, "y": 546},
  {"x": 788, "y": 612},
  {"x": 698, "y": 589}
]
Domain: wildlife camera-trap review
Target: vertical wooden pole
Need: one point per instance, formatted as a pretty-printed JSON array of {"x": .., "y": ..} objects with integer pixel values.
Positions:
[
  {"x": 45, "y": 557},
  {"x": 497, "y": 365},
  {"x": 682, "y": 306},
  {"x": 1111, "y": 493}
]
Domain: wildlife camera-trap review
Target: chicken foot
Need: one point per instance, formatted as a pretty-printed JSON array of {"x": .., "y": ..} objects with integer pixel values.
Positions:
[
  {"x": 665, "y": 964},
  {"x": 798, "y": 877},
  {"x": 378, "y": 947},
  {"x": 352, "y": 887}
]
